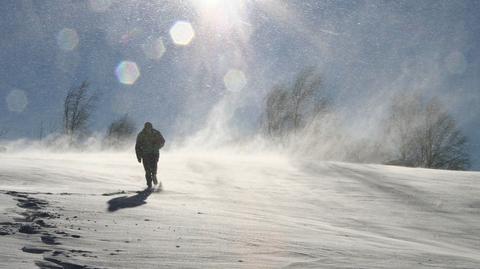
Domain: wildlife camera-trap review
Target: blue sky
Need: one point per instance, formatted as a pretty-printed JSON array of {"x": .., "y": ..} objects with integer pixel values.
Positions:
[{"x": 366, "y": 51}]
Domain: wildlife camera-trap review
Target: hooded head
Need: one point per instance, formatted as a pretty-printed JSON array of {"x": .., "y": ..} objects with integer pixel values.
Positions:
[{"x": 148, "y": 126}]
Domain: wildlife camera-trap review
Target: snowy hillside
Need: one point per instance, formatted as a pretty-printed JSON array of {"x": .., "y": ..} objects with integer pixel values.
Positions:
[{"x": 233, "y": 211}]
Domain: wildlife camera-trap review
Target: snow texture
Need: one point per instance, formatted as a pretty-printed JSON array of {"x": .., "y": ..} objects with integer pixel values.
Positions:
[{"x": 222, "y": 210}]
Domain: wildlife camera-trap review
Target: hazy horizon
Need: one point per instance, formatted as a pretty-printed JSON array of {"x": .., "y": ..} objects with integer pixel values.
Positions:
[{"x": 192, "y": 65}]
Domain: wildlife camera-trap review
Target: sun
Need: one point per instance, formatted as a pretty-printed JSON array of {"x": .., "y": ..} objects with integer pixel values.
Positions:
[
  {"x": 208, "y": 3},
  {"x": 213, "y": 4},
  {"x": 221, "y": 14}
]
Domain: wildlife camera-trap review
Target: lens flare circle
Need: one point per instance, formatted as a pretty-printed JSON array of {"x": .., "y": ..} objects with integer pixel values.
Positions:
[
  {"x": 127, "y": 72},
  {"x": 182, "y": 33},
  {"x": 17, "y": 101},
  {"x": 235, "y": 80},
  {"x": 67, "y": 39},
  {"x": 154, "y": 49}
]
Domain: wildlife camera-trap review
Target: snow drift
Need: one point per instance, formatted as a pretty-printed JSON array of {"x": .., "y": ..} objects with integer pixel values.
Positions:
[{"x": 226, "y": 210}]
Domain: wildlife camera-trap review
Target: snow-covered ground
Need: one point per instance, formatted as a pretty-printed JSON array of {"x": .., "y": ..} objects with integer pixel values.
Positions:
[{"x": 222, "y": 210}]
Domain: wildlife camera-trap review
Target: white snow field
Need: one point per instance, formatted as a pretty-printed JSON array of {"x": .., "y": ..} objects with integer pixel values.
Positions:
[{"x": 233, "y": 211}]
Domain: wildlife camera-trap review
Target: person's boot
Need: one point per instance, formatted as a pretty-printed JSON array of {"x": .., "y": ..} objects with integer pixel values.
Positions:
[{"x": 154, "y": 178}]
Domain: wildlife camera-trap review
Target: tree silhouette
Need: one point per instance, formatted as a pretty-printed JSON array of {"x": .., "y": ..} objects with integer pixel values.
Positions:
[
  {"x": 120, "y": 131},
  {"x": 425, "y": 134},
  {"x": 78, "y": 106},
  {"x": 291, "y": 108}
]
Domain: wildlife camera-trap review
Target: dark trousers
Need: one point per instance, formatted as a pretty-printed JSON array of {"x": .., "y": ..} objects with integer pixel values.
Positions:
[{"x": 150, "y": 164}]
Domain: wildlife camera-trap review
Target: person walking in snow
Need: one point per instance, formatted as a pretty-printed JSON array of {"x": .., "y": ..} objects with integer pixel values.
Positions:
[{"x": 149, "y": 143}]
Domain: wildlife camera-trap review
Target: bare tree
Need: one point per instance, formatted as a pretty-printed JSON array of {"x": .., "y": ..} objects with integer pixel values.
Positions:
[
  {"x": 78, "y": 107},
  {"x": 277, "y": 114},
  {"x": 303, "y": 92},
  {"x": 442, "y": 143},
  {"x": 426, "y": 135},
  {"x": 291, "y": 108},
  {"x": 120, "y": 131},
  {"x": 402, "y": 126}
]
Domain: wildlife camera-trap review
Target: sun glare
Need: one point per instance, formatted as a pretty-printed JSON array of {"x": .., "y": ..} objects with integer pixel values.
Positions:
[
  {"x": 221, "y": 14},
  {"x": 209, "y": 3}
]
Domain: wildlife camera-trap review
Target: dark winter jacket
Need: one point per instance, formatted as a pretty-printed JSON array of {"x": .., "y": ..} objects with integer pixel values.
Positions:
[{"x": 148, "y": 142}]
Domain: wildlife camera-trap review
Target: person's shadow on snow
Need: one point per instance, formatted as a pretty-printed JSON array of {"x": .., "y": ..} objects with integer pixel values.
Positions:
[{"x": 129, "y": 201}]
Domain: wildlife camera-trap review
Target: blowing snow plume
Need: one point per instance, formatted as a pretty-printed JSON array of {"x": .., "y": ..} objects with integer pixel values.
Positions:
[{"x": 239, "y": 134}]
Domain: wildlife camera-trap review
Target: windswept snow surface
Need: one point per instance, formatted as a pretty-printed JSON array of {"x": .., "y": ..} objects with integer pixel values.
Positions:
[{"x": 222, "y": 210}]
